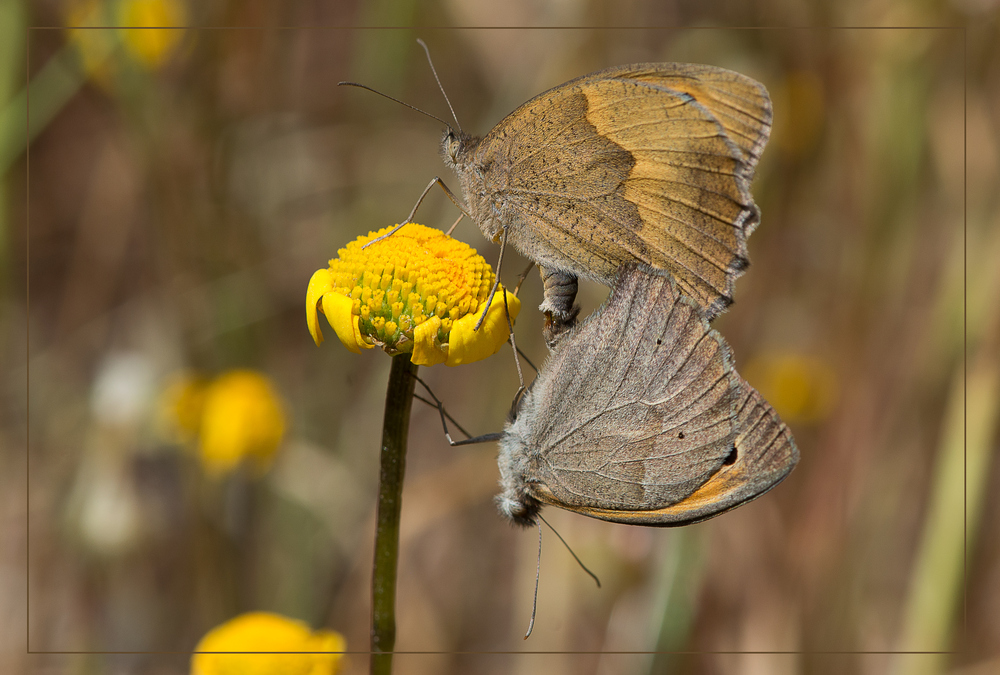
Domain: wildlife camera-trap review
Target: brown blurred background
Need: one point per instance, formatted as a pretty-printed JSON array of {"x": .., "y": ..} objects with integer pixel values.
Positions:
[{"x": 182, "y": 190}]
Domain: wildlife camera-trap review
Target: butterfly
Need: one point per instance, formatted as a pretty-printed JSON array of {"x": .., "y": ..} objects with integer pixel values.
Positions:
[
  {"x": 648, "y": 163},
  {"x": 639, "y": 417}
]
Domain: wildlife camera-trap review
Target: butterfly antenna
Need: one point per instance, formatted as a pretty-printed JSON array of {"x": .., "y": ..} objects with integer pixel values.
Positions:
[
  {"x": 440, "y": 86},
  {"x": 538, "y": 569},
  {"x": 411, "y": 107},
  {"x": 578, "y": 561}
]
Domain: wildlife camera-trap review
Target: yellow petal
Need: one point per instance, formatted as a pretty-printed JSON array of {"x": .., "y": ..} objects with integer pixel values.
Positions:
[
  {"x": 425, "y": 349},
  {"x": 320, "y": 284},
  {"x": 466, "y": 345},
  {"x": 337, "y": 308}
]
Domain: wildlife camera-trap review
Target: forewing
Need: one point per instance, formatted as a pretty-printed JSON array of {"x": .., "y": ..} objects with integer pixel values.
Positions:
[
  {"x": 636, "y": 407},
  {"x": 556, "y": 183}
]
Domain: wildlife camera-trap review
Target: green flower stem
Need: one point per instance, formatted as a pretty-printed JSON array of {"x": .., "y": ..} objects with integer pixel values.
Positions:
[{"x": 395, "y": 426}]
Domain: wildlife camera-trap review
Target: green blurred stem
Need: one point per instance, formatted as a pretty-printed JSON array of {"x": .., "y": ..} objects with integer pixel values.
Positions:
[
  {"x": 49, "y": 91},
  {"x": 957, "y": 496},
  {"x": 395, "y": 426},
  {"x": 13, "y": 30},
  {"x": 675, "y": 600}
]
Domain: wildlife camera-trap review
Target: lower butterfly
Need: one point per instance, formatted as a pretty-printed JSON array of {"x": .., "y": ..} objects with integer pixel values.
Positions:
[{"x": 639, "y": 417}]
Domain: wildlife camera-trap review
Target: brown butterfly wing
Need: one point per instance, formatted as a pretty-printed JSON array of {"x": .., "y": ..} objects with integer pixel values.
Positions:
[
  {"x": 740, "y": 104},
  {"x": 634, "y": 410},
  {"x": 555, "y": 184},
  {"x": 765, "y": 453},
  {"x": 645, "y": 163}
]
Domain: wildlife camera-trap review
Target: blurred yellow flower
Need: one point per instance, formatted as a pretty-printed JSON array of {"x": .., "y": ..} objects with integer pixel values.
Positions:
[
  {"x": 265, "y": 632},
  {"x": 151, "y": 47},
  {"x": 418, "y": 291},
  {"x": 799, "y": 99},
  {"x": 94, "y": 45},
  {"x": 802, "y": 388},
  {"x": 88, "y": 22},
  {"x": 242, "y": 418},
  {"x": 236, "y": 417}
]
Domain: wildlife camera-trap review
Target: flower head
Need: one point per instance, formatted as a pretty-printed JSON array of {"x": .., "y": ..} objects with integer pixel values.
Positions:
[
  {"x": 235, "y": 417},
  {"x": 802, "y": 388},
  {"x": 264, "y": 632},
  {"x": 418, "y": 291},
  {"x": 148, "y": 46},
  {"x": 242, "y": 418},
  {"x": 143, "y": 42}
]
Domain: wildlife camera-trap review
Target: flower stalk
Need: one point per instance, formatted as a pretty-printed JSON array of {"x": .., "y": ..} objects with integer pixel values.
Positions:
[
  {"x": 419, "y": 295},
  {"x": 395, "y": 427}
]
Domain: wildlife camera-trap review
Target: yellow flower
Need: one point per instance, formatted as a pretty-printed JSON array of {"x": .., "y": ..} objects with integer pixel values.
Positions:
[
  {"x": 418, "y": 291},
  {"x": 264, "y": 632},
  {"x": 802, "y": 388},
  {"x": 236, "y": 417},
  {"x": 94, "y": 45},
  {"x": 242, "y": 418},
  {"x": 149, "y": 47}
]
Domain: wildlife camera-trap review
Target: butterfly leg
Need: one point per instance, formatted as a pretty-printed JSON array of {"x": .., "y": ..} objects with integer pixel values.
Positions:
[
  {"x": 559, "y": 289},
  {"x": 455, "y": 224},
  {"x": 522, "y": 277},
  {"x": 413, "y": 211},
  {"x": 469, "y": 440},
  {"x": 489, "y": 301},
  {"x": 451, "y": 195}
]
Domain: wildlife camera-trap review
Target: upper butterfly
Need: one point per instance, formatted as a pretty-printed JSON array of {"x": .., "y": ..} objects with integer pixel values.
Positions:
[{"x": 650, "y": 163}]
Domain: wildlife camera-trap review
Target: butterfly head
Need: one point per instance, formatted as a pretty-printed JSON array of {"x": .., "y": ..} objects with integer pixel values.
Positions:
[
  {"x": 520, "y": 509},
  {"x": 516, "y": 501},
  {"x": 454, "y": 146}
]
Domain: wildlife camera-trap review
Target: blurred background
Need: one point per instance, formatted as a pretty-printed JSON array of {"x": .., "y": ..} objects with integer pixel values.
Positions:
[{"x": 184, "y": 185}]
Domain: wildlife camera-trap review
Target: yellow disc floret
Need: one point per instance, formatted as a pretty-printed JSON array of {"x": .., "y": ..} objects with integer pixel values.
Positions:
[{"x": 418, "y": 291}]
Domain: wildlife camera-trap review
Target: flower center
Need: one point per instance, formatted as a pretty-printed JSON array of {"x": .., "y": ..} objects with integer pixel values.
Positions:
[
  {"x": 400, "y": 282},
  {"x": 418, "y": 291}
]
